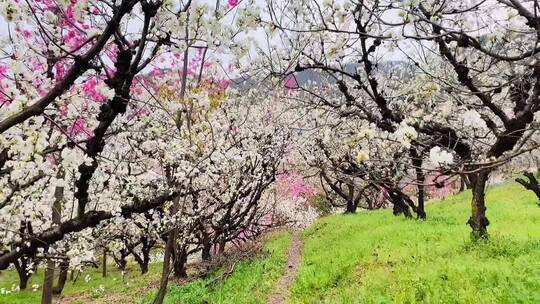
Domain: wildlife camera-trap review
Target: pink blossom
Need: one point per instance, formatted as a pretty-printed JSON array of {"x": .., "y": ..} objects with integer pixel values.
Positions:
[
  {"x": 3, "y": 71},
  {"x": 291, "y": 83},
  {"x": 291, "y": 185},
  {"x": 26, "y": 34},
  {"x": 223, "y": 84},
  {"x": 60, "y": 71},
  {"x": 79, "y": 127},
  {"x": 89, "y": 88},
  {"x": 74, "y": 39},
  {"x": 233, "y": 3},
  {"x": 156, "y": 72}
]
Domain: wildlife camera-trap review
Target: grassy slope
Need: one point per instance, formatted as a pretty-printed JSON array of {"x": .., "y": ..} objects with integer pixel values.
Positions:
[
  {"x": 81, "y": 291},
  {"x": 366, "y": 258},
  {"x": 250, "y": 283},
  {"x": 378, "y": 258}
]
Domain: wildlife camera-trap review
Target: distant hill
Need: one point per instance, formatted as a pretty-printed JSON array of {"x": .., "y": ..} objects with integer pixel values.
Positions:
[{"x": 317, "y": 76}]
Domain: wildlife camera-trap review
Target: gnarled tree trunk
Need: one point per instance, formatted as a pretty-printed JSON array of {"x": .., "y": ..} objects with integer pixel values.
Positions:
[
  {"x": 351, "y": 208},
  {"x": 206, "y": 255},
  {"x": 169, "y": 247},
  {"x": 180, "y": 262},
  {"x": 465, "y": 183},
  {"x": 48, "y": 282},
  {"x": 167, "y": 256},
  {"x": 145, "y": 259},
  {"x": 21, "y": 266},
  {"x": 421, "y": 179},
  {"x": 478, "y": 220},
  {"x": 62, "y": 277},
  {"x": 104, "y": 263},
  {"x": 221, "y": 245},
  {"x": 121, "y": 259},
  {"x": 417, "y": 161}
]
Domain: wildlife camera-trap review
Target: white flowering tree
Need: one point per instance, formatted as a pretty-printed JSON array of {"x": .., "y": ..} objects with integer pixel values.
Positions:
[
  {"x": 222, "y": 149},
  {"x": 460, "y": 94},
  {"x": 66, "y": 78},
  {"x": 132, "y": 237},
  {"x": 360, "y": 166},
  {"x": 75, "y": 92},
  {"x": 495, "y": 104}
]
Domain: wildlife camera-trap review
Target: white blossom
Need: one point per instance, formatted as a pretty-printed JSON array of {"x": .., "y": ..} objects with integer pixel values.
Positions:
[{"x": 440, "y": 157}]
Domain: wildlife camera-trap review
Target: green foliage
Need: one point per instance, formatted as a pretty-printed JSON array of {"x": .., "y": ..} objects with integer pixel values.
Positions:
[
  {"x": 251, "y": 281},
  {"x": 378, "y": 258},
  {"x": 81, "y": 291},
  {"x": 321, "y": 204}
]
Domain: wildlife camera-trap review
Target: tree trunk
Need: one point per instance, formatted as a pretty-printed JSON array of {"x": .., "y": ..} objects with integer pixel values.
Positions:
[
  {"x": 48, "y": 285},
  {"x": 464, "y": 183},
  {"x": 121, "y": 261},
  {"x": 169, "y": 247},
  {"x": 400, "y": 207},
  {"x": 144, "y": 268},
  {"x": 399, "y": 204},
  {"x": 104, "y": 263},
  {"x": 370, "y": 204},
  {"x": 62, "y": 277},
  {"x": 478, "y": 220},
  {"x": 22, "y": 272},
  {"x": 146, "y": 260},
  {"x": 461, "y": 184},
  {"x": 417, "y": 161},
  {"x": 221, "y": 245},
  {"x": 351, "y": 208},
  {"x": 206, "y": 250},
  {"x": 143, "y": 259},
  {"x": 421, "y": 179},
  {"x": 180, "y": 262},
  {"x": 23, "y": 280},
  {"x": 48, "y": 281}
]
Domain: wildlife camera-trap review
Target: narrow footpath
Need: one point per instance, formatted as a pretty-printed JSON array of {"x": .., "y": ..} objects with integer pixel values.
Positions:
[{"x": 292, "y": 264}]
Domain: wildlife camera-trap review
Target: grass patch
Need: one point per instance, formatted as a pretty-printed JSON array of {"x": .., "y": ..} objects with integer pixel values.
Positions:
[
  {"x": 96, "y": 290},
  {"x": 370, "y": 257},
  {"x": 377, "y": 258},
  {"x": 251, "y": 281}
]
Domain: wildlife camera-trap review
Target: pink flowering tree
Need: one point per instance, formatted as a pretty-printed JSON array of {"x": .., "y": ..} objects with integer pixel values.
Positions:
[
  {"x": 77, "y": 84},
  {"x": 292, "y": 186}
]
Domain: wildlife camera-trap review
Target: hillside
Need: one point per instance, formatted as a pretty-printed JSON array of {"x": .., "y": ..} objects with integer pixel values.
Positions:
[
  {"x": 369, "y": 257},
  {"x": 377, "y": 258},
  {"x": 374, "y": 257}
]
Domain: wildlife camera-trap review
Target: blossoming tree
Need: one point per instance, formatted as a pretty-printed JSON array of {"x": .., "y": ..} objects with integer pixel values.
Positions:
[{"x": 449, "y": 106}]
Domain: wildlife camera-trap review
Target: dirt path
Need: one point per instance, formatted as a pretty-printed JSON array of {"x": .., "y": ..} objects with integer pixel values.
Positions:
[{"x": 292, "y": 264}]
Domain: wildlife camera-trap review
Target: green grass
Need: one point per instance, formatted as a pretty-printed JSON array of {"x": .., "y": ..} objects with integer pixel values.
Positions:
[
  {"x": 370, "y": 257},
  {"x": 81, "y": 291},
  {"x": 378, "y": 258},
  {"x": 251, "y": 281}
]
